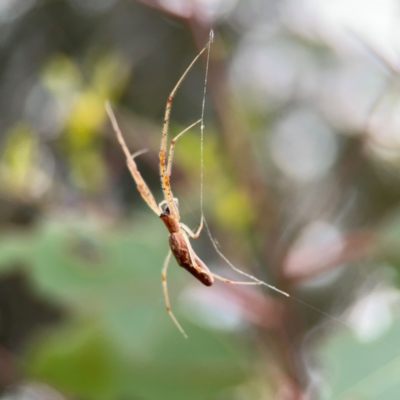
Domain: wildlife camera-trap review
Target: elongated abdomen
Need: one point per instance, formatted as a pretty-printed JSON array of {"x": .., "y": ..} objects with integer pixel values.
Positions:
[{"x": 180, "y": 250}]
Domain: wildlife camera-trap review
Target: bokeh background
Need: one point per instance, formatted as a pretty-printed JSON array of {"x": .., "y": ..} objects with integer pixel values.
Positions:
[{"x": 301, "y": 189}]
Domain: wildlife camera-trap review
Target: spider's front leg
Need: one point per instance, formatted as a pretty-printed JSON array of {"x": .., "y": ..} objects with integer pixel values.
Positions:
[
  {"x": 140, "y": 183},
  {"x": 165, "y": 181}
]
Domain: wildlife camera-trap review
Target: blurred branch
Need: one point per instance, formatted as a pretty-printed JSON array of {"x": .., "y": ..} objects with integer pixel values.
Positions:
[
  {"x": 382, "y": 61},
  {"x": 254, "y": 306},
  {"x": 308, "y": 263},
  {"x": 8, "y": 373},
  {"x": 234, "y": 134},
  {"x": 248, "y": 176},
  {"x": 188, "y": 7}
]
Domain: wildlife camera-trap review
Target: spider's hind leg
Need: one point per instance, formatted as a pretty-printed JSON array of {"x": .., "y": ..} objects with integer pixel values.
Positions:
[{"x": 196, "y": 233}]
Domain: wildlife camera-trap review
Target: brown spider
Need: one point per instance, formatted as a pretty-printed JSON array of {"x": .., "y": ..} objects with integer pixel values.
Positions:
[{"x": 168, "y": 211}]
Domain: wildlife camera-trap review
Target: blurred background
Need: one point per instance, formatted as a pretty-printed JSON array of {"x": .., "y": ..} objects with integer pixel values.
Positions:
[{"x": 301, "y": 189}]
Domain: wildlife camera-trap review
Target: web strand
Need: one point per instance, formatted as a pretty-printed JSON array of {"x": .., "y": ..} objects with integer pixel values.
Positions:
[
  {"x": 253, "y": 278},
  {"x": 202, "y": 123},
  {"x": 239, "y": 271}
]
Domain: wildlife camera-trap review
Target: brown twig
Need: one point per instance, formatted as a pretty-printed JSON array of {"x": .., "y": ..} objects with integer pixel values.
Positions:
[{"x": 308, "y": 263}]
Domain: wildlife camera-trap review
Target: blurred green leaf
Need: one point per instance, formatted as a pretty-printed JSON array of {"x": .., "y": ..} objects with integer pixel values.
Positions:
[
  {"x": 119, "y": 341},
  {"x": 18, "y": 159},
  {"x": 356, "y": 370},
  {"x": 387, "y": 245}
]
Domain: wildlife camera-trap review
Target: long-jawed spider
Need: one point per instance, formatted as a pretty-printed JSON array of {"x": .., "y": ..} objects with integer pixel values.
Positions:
[{"x": 168, "y": 211}]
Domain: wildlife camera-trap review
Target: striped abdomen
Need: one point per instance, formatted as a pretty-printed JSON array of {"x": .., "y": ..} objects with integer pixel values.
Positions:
[{"x": 181, "y": 252}]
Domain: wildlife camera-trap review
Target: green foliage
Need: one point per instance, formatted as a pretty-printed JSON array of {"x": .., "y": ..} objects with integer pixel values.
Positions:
[
  {"x": 18, "y": 159},
  {"x": 220, "y": 191},
  {"x": 356, "y": 370},
  {"x": 387, "y": 248},
  {"x": 278, "y": 97},
  {"x": 83, "y": 108},
  {"x": 118, "y": 339}
]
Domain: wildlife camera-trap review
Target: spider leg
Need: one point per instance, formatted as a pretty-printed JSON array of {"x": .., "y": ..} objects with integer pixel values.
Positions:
[
  {"x": 162, "y": 203},
  {"x": 138, "y": 153},
  {"x": 140, "y": 183},
  {"x": 196, "y": 234},
  {"x": 257, "y": 281},
  {"x": 220, "y": 278},
  {"x": 192, "y": 234},
  {"x": 225, "y": 280},
  {"x": 165, "y": 288},
  {"x": 172, "y": 147},
  {"x": 165, "y": 181}
]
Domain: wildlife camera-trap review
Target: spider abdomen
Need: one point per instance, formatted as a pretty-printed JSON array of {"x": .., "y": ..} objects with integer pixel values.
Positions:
[{"x": 187, "y": 259}]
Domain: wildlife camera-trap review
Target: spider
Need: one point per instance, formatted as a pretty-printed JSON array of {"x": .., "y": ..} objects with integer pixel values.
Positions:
[{"x": 168, "y": 210}]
